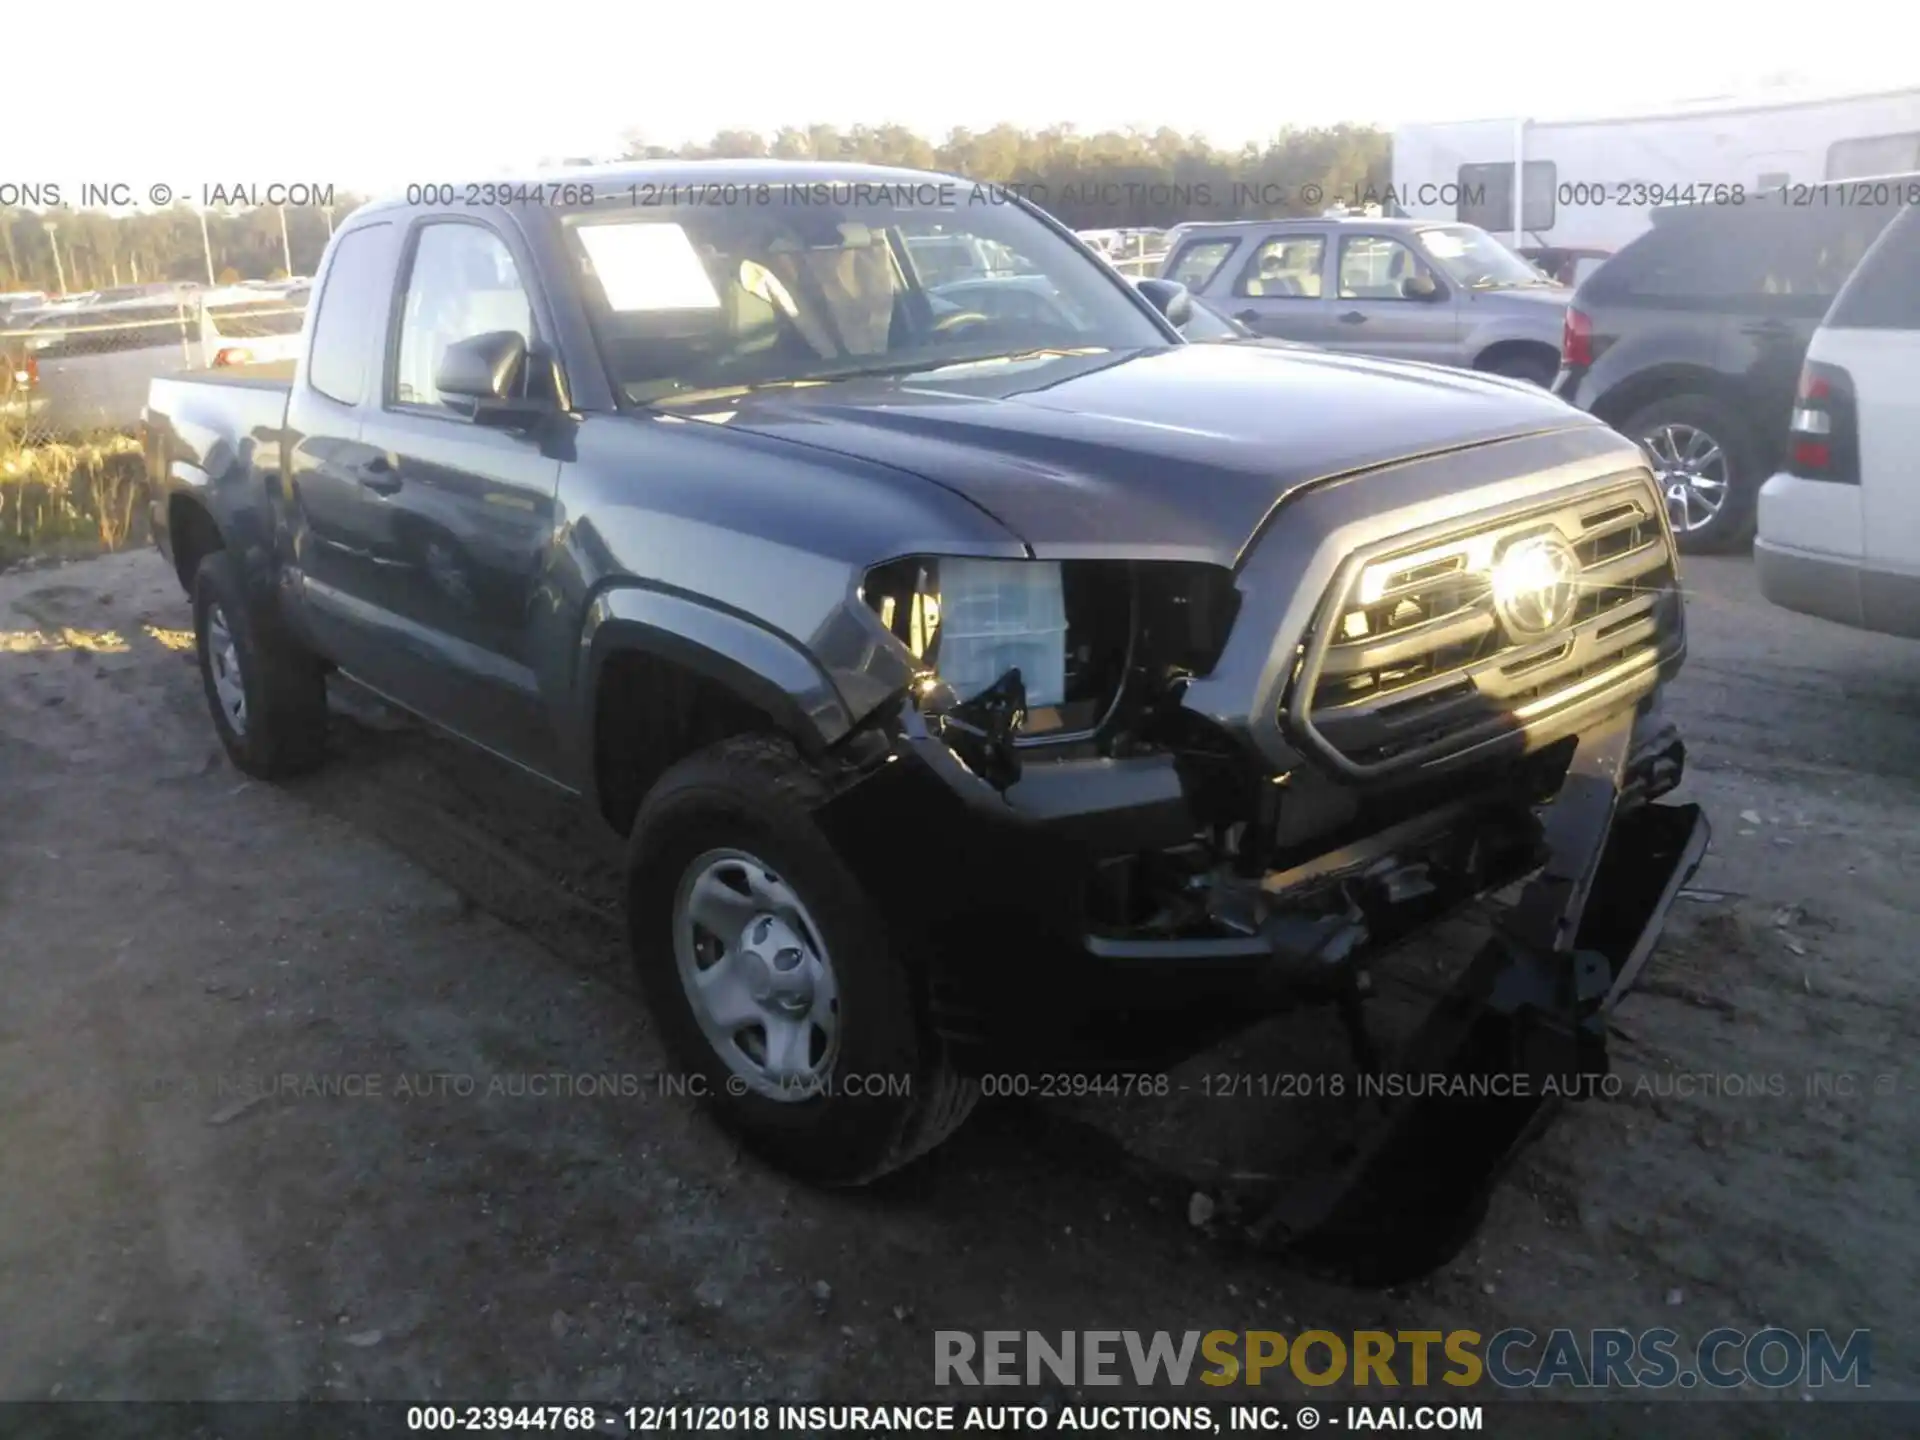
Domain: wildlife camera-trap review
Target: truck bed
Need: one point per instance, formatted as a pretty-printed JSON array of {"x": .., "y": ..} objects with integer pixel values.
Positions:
[
  {"x": 212, "y": 430},
  {"x": 193, "y": 411}
]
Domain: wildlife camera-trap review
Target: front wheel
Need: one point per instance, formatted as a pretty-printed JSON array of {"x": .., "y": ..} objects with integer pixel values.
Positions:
[
  {"x": 770, "y": 976},
  {"x": 1703, "y": 456}
]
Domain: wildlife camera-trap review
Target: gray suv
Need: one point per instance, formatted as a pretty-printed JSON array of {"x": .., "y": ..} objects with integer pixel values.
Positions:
[{"x": 1412, "y": 289}]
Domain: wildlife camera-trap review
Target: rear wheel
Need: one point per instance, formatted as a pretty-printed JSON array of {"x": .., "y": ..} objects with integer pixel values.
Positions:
[
  {"x": 1704, "y": 458},
  {"x": 770, "y": 976},
  {"x": 267, "y": 693}
]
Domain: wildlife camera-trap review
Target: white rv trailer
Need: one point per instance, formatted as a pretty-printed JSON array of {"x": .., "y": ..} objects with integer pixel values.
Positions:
[{"x": 1591, "y": 183}]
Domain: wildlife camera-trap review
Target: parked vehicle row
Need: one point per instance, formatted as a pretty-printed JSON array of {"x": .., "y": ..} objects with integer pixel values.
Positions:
[
  {"x": 1691, "y": 340},
  {"x": 1412, "y": 290}
]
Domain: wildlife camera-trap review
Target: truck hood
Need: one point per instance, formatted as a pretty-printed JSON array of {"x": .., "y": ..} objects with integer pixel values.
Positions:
[{"x": 1175, "y": 453}]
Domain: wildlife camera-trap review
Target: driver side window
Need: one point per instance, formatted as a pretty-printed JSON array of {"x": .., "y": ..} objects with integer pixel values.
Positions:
[
  {"x": 462, "y": 283},
  {"x": 1373, "y": 267}
]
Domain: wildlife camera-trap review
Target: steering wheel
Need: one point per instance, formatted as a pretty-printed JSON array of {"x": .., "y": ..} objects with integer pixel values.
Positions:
[{"x": 948, "y": 324}]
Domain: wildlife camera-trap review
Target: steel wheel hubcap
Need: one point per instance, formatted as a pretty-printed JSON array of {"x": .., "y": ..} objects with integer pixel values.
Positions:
[
  {"x": 223, "y": 657},
  {"x": 757, "y": 974},
  {"x": 1692, "y": 469}
]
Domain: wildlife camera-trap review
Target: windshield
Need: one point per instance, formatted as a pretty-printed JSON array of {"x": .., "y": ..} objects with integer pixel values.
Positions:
[
  {"x": 1473, "y": 258},
  {"x": 688, "y": 300}
]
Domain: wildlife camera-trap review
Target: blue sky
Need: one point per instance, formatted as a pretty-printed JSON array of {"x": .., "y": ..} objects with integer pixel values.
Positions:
[{"x": 375, "y": 96}]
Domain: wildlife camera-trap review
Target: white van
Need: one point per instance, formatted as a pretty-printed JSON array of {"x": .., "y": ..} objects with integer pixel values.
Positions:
[{"x": 1840, "y": 526}]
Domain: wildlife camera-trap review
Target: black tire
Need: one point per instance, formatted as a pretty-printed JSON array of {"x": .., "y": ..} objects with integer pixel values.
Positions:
[
  {"x": 755, "y": 794},
  {"x": 1525, "y": 365},
  {"x": 1732, "y": 527},
  {"x": 284, "y": 729}
]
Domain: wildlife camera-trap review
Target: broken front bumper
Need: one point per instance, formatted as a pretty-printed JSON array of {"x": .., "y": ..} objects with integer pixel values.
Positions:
[
  {"x": 1523, "y": 1028},
  {"x": 990, "y": 888},
  {"x": 997, "y": 889}
]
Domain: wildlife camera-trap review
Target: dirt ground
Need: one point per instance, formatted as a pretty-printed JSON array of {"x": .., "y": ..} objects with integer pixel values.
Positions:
[{"x": 178, "y": 1223}]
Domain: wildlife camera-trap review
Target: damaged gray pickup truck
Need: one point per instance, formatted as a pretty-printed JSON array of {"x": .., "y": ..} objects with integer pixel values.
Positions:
[{"x": 972, "y": 674}]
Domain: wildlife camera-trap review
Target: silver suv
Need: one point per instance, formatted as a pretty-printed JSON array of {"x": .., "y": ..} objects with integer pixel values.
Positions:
[{"x": 1412, "y": 289}]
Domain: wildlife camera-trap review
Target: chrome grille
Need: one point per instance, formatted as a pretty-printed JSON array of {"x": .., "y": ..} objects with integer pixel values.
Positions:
[{"x": 1412, "y": 659}]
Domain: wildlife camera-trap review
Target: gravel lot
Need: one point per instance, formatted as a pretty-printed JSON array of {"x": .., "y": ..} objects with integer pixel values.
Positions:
[{"x": 176, "y": 1224}]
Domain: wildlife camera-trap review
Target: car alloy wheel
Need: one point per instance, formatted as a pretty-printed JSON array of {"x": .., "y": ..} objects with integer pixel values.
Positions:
[
  {"x": 229, "y": 685},
  {"x": 757, "y": 975},
  {"x": 1692, "y": 469}
]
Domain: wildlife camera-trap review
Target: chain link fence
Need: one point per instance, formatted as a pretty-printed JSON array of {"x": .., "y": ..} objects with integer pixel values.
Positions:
[{"x": 73, "y": 389}]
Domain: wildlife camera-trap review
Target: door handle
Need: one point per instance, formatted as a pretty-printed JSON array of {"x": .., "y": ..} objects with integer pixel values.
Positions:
[
  {"x": 380, "y": 476},
  {"x": 1353, "y": 317},
  {"x": 1248, "y": 317}
]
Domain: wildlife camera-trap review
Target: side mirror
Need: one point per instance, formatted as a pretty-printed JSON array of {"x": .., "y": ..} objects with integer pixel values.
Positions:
[
  {"x": 489, "y": 371},
  {"x": 1421, "y": 287},
  {"x": 1170, "y": 298}
]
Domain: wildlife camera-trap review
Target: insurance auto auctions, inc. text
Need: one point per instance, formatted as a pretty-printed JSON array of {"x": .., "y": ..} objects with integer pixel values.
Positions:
[{"x": 1121, "y": 1419}]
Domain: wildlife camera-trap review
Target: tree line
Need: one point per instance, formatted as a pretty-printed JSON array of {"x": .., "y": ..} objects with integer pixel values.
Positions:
[
  {"x": 1109, "y": 179},
  {"x": 76, "y": 250}
]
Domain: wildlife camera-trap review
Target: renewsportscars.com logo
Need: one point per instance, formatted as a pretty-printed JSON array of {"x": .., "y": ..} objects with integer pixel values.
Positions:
[{"x": 1511, "y": 1359}]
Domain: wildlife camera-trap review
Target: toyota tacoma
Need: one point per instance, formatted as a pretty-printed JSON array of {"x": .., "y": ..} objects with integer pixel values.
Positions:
[{"x": 966, "y": 685}]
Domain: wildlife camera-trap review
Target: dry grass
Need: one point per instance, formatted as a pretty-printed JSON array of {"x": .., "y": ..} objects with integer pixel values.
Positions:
[{"x": 70, "y": 497}]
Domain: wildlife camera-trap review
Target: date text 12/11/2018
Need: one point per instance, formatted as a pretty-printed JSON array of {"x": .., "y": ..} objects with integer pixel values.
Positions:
[{"x": 759, "y": 1419}]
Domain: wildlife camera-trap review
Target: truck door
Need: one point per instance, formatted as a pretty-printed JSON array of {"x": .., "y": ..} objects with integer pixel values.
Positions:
[
  {"x": 1280, "y": 289},
  {"x": 320, "y": 498},
  {"x": 460, "y": 515},
  {"x": 1374, "y": 311}
]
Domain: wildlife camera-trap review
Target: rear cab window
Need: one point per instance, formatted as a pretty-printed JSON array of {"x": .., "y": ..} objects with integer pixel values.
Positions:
[{"x": 352, "y": 310}]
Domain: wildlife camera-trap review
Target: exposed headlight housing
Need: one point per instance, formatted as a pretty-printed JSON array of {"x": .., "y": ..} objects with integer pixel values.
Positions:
[
  {"x": 1079, "y": 631},
  {"x": 974, "y": 620}
]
